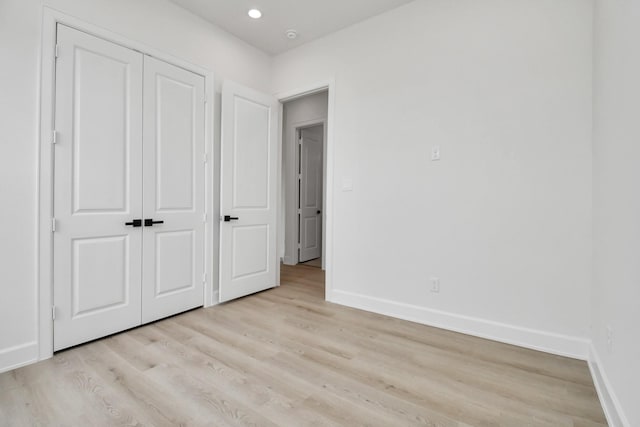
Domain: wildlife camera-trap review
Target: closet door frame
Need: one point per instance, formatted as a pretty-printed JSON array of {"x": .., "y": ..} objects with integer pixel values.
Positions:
[{"x": 43, "y": 347}]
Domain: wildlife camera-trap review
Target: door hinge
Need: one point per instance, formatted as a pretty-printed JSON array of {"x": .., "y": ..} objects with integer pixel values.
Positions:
[
  {"x": 299, "y": 245},
  {"x": 204, "y": 277},
  {"x": 53, "y": 225},
  {"x": 206, "y": 158},
  {"x": 57, "y": 51},
  {"x": 204, "y": 217},
  {"x": 54, "y": 136},
  {"x": 53, "y": 312},
  {"x": 299, "y": 211},
  {"x": 300, "y": 176}
]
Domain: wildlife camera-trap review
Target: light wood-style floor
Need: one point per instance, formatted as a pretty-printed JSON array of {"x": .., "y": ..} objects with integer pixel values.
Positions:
[{"x": 285, "y": 357}]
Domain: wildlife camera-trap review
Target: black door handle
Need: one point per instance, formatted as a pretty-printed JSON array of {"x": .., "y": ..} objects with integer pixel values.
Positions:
[
  {"x": 228, "y": 218},
  {"x": 148, "y": 222},
  {"x": 318, "y": 212},
  {"x": 134, "y": 223}
]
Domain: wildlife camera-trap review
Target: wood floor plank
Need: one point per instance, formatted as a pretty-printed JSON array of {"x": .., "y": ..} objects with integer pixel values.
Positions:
[{"x": 285, "y": 357}]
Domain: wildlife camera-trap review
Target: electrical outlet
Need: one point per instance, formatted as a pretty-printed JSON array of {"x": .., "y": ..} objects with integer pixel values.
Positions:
[
  {"x": 435, "y": 285},
  {"x": 609, "y": 331}
]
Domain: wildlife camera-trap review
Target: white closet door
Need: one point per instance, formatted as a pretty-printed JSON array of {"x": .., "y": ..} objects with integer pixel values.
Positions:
[
  {"x": 98, "y": 188},
  {"x": 174, "y": 190},
  {"x": 249, "y": 171}
]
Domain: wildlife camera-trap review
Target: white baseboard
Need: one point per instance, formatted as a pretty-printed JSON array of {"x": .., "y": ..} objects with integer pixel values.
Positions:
[
  {"x": 610, "y": 403},
  {"x": 17, "y": 356},
  {"x": 215, "y": 299},
  {"x": 549, "y": 342},
  {"x": 289, "y": 260}
]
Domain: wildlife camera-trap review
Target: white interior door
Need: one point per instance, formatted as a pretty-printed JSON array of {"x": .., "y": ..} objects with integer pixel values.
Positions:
[
  {"x": 248, "y": 259},
  {"x": 174, "y": 190},
  {"x": 310, "y": 207},
  {"x": 98, "y": 188}
]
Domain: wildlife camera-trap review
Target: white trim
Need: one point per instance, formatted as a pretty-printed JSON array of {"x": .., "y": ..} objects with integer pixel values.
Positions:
[
  {"x": 212, "y": 225},
  {"x": 280, "y": 216},
  {"x": 290, "y": 95},
  {"x": 17, "y": 356},
  {"x": 563, "y": 345},
  {"x": 610, "y": 403},
  {"x": 50, "y": 19},
  {"x": 287, "y": 260},
  {"x": 282, "y": 97},
  {"x": 215, "y": 295}
]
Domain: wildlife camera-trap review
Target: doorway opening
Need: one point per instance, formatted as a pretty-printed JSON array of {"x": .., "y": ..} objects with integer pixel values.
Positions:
[
  {"x": 310, "y": 194},
  {"x": 304, "y": 188}
]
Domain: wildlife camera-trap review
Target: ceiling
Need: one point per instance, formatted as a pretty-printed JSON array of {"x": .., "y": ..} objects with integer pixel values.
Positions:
[{"x": 310, "y": 18}]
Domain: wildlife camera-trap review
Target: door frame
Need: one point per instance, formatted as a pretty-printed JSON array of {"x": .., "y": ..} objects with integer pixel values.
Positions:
[
  {"x": 44, "y": 243},
  {"x": 298, "y": 127},
  {"x": 328, "y": 168}
]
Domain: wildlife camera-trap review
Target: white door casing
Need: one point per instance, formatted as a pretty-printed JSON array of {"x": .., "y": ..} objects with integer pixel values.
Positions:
[
  {"x": 97, "y": 258},
  {"x": 174, "y": 190},
  {"x": 310, "y": 193},
  {"x": 248, "y": 191}
]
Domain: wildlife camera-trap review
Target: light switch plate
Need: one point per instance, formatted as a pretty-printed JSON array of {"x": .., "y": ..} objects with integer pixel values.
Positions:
[
  {"x": 435, "y": 285},
  {"x": 347, "y": 184},
  {"x": 435, "y": 153}
]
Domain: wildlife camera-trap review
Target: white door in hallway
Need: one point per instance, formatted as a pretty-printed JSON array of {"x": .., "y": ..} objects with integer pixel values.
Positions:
[
  {"x": 129, "y": 189},
  {"x": 248, "y": 192},
  {"x": 310, "y": 199},
  {"x": 98, "y": 188},
  {"x": 174, "y": 190}
]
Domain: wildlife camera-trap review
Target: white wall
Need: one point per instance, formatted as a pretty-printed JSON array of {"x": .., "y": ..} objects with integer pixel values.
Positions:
[
  {"x": 19, "y": 41},
  {"x": 299, "y": 112},
  {"x": 616, "y": 166},
  {"x": 156, "y": 23},
  {"x": 504, "y": 219}
]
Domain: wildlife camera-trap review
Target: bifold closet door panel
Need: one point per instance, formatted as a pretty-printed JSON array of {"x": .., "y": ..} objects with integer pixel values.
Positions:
[
  {"x": 174, "y": 190},
  {"x": 97, "y": 188}
]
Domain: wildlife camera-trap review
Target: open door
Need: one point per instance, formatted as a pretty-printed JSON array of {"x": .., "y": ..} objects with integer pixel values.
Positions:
[
  {"x": 310, "y": 199},
  {"x": 248, "y": 192}
]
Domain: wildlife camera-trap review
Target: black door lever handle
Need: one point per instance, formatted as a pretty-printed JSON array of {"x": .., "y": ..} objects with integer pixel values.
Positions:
[
  {"x": 134, "y": 223},
  {"x": 228, "y": 218},
  {"x": 148, "y": 222}
]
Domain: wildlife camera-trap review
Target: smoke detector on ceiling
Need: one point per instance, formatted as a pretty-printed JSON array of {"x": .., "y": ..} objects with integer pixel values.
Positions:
[{"x": 291, "y": 34}]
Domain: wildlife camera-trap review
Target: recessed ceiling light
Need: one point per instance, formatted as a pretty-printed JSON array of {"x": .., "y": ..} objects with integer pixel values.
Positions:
[{"x": 255, "y": 13}]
